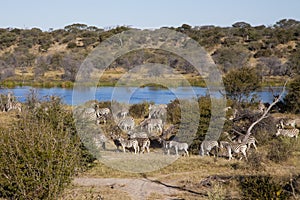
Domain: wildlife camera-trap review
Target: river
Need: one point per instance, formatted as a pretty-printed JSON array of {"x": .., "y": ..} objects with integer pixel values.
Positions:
[{"x": 131, "y": 95}]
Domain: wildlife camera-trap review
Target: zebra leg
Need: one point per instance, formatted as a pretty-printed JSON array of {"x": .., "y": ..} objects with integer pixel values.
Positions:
[
  {"x": 143, "y": 150},
  {"x": 136, "y": 149},
  {"x": 254, "y": 146},
  {"x": 187, "y": 153},
  {"x": 245, "y": 155},
  {"x": 103, "y": 146},
  {"x": 229, "y": 154},
  {"x": 176, "y": 149}
]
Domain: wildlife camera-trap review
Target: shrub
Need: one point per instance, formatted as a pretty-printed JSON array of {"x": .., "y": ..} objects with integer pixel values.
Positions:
[
  {"x": 217, "y": 192},
  {"x": 255, "y": 160},
  {"x": 292, "y": 99},
  {"x": 261, "y": 187},
  {"x": 71, "y": 45},
  {"x": 39, "y": 153},
  {"x": 281, "y": 148},
  {"x": 139, "y": 110}
]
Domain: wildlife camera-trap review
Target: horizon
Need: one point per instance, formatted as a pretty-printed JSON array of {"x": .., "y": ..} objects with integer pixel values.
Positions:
[
  {"x": 145, "y": 28},
  {"x": 144, "y": 15}
]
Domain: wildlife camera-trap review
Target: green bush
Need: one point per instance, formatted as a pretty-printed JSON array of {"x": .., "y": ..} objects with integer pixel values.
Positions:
[
  {"x": 39, "y": 153},
  {"x": 255, "y": 160},
  {"x": 71, "y": 45},
  {"x": 292, "y": 99},
  {"x": 281, "y": 149},
  {"x": 261, "y": 187},
  {"x": 139, "y": 110}
]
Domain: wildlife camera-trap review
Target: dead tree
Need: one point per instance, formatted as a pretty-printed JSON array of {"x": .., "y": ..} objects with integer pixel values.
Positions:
[{"x": 264, "y": 115}]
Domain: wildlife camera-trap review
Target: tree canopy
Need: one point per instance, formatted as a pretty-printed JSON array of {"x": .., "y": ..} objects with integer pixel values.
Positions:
[{"x": 239, "y": 83}]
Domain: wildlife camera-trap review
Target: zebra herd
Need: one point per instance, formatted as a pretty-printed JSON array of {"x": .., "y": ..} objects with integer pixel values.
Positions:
[
  {"x": 236, "y": 146},
  {"x": 10, "y": 103},
  {"x": 141, "y": 142},
  {"x": 287, "y": 127},
  {"x": 139, "y": 134},
  {"x": 154, "y": 122}
]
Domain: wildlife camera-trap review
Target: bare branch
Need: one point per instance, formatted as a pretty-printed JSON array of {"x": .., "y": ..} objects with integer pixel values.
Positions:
[
  {"x": 237, "y": 132},
  {"x": 276, "y": 100}
]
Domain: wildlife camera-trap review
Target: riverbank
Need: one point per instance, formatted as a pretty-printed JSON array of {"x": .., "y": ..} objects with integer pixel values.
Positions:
[{"x": 195, "y": 82}]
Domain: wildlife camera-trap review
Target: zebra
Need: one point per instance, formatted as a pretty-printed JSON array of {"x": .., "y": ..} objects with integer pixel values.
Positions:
[
  {"x": 102, "y": 114},
  {"x": 207, "y": 146},
  {"x": 177, "y": 146},
  {"x": 115, "y": 140},
  {"x": 288, "y": 132},
  {"x": 11, "y": 104},
  {"x": 102, "y": 111},
  {"x": 250, "y": 141},
  {"x": 157, "y": 111},
  {"x": 142, "y": 138},
  {"x": 261, "y": 107},
  {"x": 89, "y": 114},
  {"x": 122, "y": 113},
  {"x": 288, "y": 122},
  {"x": 127, "y": 123},
  {"x": 143, "y": 143},
  {"x": 132, "y": 134},
  {"x": 164, "y": 143},
  {"x": 152, "y": 124},
  {"x": 101, "y": 118},
  {"x": 235, "y": 148},
  {"x": 128, "y": 144}
]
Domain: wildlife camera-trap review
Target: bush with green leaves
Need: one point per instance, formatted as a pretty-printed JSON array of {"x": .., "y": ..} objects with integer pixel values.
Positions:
[
  {"x": 240, "y": 83},
  {"x": 262, "y": 187},
  {"x": 292, "y": 99},
  {"x": 281, "y": 149},
  {"x": 139, "y": 110},
  {"x": 39, "y": 153}
]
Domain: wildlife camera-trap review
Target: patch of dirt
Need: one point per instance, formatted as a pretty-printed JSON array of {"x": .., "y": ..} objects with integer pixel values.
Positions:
[{"x": 136, "y": 188}]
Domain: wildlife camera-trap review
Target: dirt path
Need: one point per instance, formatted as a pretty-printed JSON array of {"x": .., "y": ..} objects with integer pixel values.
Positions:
[{"x": 136, "y": 188}]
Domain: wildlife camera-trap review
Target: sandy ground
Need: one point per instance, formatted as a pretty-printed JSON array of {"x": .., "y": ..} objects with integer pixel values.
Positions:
[{"x": 136, "y": 188}]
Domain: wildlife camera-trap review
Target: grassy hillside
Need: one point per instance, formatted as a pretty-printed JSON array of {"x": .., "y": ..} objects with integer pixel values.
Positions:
[{"x": 52, "y": 58}]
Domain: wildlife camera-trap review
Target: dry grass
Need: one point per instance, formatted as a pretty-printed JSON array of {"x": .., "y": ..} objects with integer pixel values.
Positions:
[
  {"x": 186, "y": 173},
  {"x": 54, "y": 75},
  {"x": 90, "y": 193},
  {"x": 8, "y": 118}
]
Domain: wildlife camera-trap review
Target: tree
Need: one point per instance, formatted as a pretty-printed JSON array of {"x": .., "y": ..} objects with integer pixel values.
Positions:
[
  {"x": 292, "y": 99},
  {"x": 71, "y": 63},
  {"x": 75, "y": 28},
  {"x": 287, "y": 23},
  {"x": 6, "y": 70},
  {"x": 264, "y": 115},
  {"x": 241, "y": 25},
  {"x": 239, "y": 83},
  {"x": 231, "y": 57},
  {"x": 293, "y": 64},
  {"x": 186, "y": 27},
  {"x": 269, "y": 66}
]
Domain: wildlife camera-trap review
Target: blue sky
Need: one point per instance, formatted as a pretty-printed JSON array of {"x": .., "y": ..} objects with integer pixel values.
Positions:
[{"x": 144, "y": 13}]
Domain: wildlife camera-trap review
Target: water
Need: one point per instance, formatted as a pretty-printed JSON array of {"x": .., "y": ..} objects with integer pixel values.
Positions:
[{"x": 130, "y": 94}]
